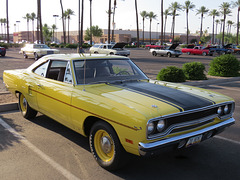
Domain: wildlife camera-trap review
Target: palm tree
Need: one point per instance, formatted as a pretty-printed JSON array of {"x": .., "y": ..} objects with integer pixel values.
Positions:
[
  {"x": 39, "y": 18},
  {"x": 113, "y": 23},
  {"x": 136, "y": 9},
  {"x": 27, "y": 17},
  {"x": 213, "y": 13},
  {"x": 81, "y": 42},
  {"x": 109, "y": 20},
  {"x": 53, "y": 30},
  {"x": 224, "y": 10},
  {"x": 90, "y": 21},
  {"x": 237, "y": 4},
  {"x": 144, "y": 16},
  {"x": 229, "y": 23},
  {"x": 68, "y": 14},
  {"x": 63, "y": 23},
  {"x": 161, "y": 22},
  {"x": 188, "y": 6},
  {"x": 32, "y": 18},
  {"x": 217, "y": 22},
  {"x": 166, "y": 14},
  {"x": 1, "y": 21},
  {"x": 174, "y": 7},
  {"x": 151, "y": 16},
  {"x": 4, "y": 21},
  {"x": 202, "y": 10},
  {"x": 7, "y": 21}
]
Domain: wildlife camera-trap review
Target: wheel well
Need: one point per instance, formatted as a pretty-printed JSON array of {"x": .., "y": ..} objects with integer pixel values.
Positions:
[{"x": 89, "y": 122}]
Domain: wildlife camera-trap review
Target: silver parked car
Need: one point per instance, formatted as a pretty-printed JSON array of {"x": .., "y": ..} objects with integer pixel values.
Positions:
[
  {"x": 167, "y": 51},
  {"x": 112, "y": 49}
]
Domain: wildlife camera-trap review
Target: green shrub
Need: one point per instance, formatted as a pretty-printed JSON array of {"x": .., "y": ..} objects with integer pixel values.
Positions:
[
  {"x": 5, "y": 45},
  {"x": 130, "y": 46},
  {"x": 194, "y": 71},
  {"x": 171, "y": 74},
  {"x": 72, "y": 46},
  {"x": 183, "y": 45},
  {"x": 225, "y": 65}
]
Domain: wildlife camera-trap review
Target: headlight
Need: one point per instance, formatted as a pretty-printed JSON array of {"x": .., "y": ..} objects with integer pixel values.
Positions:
[
  {"x": 226, "y": 109},
  {"x": 160, "y": 125},
  {"x": 150, "y": 127},
  {"x": 220, "y": 111}
]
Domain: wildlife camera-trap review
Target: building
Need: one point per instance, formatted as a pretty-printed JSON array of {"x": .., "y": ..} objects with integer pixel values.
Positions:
[{"x": 127, "y": 36}]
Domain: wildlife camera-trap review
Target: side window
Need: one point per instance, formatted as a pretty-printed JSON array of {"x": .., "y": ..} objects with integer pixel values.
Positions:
[
  {"x": 56, "y": 70},
  {"x": 68, "y": 75},
  {"x": 42, "y": 69}
]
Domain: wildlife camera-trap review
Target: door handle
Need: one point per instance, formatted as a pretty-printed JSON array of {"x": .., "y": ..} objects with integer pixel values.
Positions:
[{"x": 39, "y": 85}]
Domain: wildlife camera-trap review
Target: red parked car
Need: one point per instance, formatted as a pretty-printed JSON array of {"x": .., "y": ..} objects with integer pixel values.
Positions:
[
  {"x": 197, "y": 50},
  {"x": 2, "y": 51}
]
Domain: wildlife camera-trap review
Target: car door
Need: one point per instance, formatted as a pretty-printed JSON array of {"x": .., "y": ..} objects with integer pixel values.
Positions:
[{"x": 54, "y": 92}]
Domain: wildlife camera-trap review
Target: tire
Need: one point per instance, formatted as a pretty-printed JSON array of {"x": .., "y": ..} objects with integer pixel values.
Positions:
[
  {"x": 188, "y": 53},
  {"x": 112, "y": 156},
  {"x": 204, "y": 53},
  {"x": 177, "y": 56},
  {"x": 169, "y": 54},
  {"x": 26, "y": 110},
  {"x": 95, "y": 52},
  {"x": 36, "y": 56},
  {"x": 223, "y": 52},
  {"x": 154, "y": 53},
  {"x": 24, "y": 55}
]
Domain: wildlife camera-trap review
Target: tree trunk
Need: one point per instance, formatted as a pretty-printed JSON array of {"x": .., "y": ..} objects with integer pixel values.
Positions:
[
  {"x": 237, "y": 25},
  {"x": 109, "y": 21},
  {"x": 64, "y": 33},
  {"x": 201, "y": 26},
  {"x": 7, "y": 21},
  {"x": 162, "y": 22},
  {"x": 137, "y": 23},
  {"x": 213, "y": 30},
  {"x": 90, "y": 22},
  {"x": 187, "y": 25},
  {"x": 223, "y": 29},
  {"x": 81, "y": 42}
]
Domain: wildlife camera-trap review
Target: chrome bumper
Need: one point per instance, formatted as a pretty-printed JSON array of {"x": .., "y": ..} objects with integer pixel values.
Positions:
[{"x": 151, "y": 148}]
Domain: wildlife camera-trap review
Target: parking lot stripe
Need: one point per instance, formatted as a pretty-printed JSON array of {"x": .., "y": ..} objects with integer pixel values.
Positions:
[
  {"x": 43, "y": 156},
  {"x": 226, "y": 139}
]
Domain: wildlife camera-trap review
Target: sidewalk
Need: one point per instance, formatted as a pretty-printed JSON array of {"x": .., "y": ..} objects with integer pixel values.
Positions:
[{"x": 211, "y": 80}]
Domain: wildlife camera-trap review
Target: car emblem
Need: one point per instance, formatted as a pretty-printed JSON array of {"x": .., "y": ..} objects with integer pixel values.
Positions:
[{"x": 154, "y": 106}]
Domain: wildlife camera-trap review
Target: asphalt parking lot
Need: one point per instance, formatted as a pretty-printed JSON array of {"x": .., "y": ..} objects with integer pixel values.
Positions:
[{"x": 44, "y": 149}]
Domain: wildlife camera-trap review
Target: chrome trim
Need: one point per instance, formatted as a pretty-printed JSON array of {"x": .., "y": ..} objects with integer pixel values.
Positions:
[
  {"x": 182, "y": 125},
  {"x": 168, "y": 141},
  {"x": 191, "y": 111}
]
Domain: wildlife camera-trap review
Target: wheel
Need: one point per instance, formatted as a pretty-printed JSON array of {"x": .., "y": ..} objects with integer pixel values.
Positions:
[
  {"x": 36, "y": 56},
  {"x": 106, "y": 147},
  {"x": 223, "y": 52},
  {"x": 95, "y": 52},
  {"x": 177, "y": 56},
  {"x": 3, "y": 54},
  {"x": 25, "y": 109},
  {"x": 24, "y": 55},
  {"x": 204, "y": 53},
  {"x": 111, "y": 53},
  {"x": 188, "y": 53},
  {"x": 169, "y": 54},
  {"x": 154, "y": 53}
]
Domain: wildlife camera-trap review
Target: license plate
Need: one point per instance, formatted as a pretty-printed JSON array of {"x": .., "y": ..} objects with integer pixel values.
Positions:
[{"x": 194, "y": 140}]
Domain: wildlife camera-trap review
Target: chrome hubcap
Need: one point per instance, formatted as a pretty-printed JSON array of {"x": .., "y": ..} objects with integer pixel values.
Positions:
[
  {"x": 24, "y": 102},
  {"x": 106, "y": 144}
]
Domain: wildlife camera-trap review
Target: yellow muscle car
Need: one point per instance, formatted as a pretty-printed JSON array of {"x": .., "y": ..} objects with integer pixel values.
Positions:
[
  {"x": 111, "y": 101},
  {"x": 37, "y": 50}
]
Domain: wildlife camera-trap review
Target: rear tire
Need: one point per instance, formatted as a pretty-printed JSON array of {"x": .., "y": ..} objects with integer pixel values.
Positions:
[
  {"x": 154, "y": 53},
  {"x": 169, "y": 54},
  {"x": 106, "y": 147},
  {"x": 24, "y": 55},
  {"x": 36, "y": 57},
  {"x": 26, "y": 110},
  {"x": 204, "y": 53}
]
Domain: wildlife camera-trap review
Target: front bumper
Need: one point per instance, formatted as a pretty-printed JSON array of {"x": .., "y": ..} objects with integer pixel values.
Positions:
[{"x": 146, "y": 149}]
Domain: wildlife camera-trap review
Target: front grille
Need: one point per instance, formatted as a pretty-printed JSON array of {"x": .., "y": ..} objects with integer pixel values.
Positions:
[
  {"x": 187, "y": 120},
  {"x": 50, "y": 52}
]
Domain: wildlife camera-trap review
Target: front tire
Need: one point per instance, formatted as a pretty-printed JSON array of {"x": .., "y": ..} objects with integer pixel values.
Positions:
[
  {"x": 154, "y": 53},
  {"x": 36, "y": 57},
  {"x": 26, "y": 110},
  {"x": 106, "y": 147},
  {"x": 204, "y": 53},
  {"x": 169, "y": 54}
]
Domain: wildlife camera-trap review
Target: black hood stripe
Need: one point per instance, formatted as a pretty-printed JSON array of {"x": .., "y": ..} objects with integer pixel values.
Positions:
[{"x": 177, "y": 98}]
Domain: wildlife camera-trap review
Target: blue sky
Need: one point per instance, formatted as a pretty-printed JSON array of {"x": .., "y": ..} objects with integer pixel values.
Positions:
[{"x": 125, "y": 13}]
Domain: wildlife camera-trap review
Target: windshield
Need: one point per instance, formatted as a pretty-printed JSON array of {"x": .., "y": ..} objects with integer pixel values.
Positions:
[
  {"x": 106, "y": 71},
  {"x": 40, "y": 46}
]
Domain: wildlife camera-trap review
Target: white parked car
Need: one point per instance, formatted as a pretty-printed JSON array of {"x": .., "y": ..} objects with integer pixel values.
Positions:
[
  {"x": 112, "y": 49},
  {"x": 37, "y": 50},
  {"x": 168, "y": 51}
]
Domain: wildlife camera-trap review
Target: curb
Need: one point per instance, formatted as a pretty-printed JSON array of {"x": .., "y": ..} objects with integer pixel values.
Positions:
[{"x": 8, "y": 107}]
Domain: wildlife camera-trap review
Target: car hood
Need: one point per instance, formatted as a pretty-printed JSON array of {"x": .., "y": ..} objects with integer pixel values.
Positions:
[
  {"x": 173, "y": 46},
  {"x": 119, "y": 45},
  {"x": 153, "y": 99}
]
